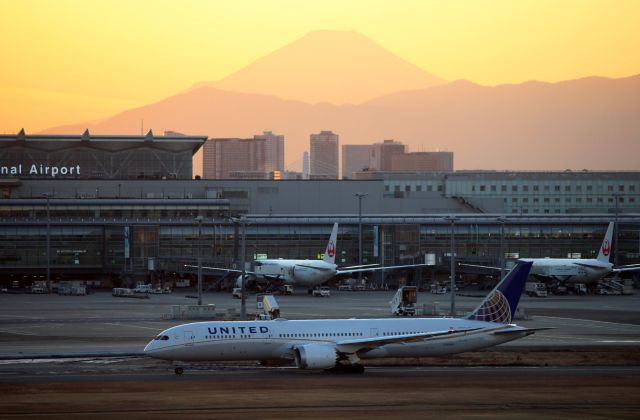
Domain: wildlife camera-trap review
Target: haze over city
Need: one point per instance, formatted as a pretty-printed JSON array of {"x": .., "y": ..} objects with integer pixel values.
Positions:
[{"x": 435, "y": 75}]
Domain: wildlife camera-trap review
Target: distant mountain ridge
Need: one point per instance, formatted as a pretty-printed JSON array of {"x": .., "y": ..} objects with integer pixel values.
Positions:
[
  {"x": 587, "y": 123},
  {"x": 336, "y": 67}
]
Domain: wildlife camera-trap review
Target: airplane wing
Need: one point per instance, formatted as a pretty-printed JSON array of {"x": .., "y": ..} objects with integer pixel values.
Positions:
[
  {"x": 622, "y": 268},
  {"x": 391, "y": 267},
  {"x": 484, "y": 266},
  {"x": 359, "y": 266},
  {"x": 528, "y": 331},
  {"x": 226, "y": 270},
  {"x": 595, "y": 265},
  {"x": 366, "y": 344},
  {"x": 314, "y": 268}
]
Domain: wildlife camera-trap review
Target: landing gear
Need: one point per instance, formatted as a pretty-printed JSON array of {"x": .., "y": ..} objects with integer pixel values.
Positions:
[{"x": 179, "y": 370}]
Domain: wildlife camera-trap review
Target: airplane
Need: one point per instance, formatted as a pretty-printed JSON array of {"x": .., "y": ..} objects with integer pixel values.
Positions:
[
  {"x": 306, "y": 273},
  {"x": 575, "y": 270},
  {"x": 343, "y": 344}
]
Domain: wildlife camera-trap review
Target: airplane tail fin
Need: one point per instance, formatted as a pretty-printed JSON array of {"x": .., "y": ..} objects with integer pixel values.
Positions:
[
  {"x": 500, "y": 305},
  {"x": 330, "y": 252},
  {"x": 605, "y": 248}
]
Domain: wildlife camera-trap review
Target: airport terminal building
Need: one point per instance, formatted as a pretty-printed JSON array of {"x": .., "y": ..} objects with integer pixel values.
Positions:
[{"x": 124, "y": 208}]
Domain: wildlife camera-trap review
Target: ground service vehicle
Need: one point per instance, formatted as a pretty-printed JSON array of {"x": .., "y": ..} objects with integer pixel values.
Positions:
[
  {"x": 404, "y": 301},
  {"x": 536, "y": 289},
  {"x": 322, "y": 291}
]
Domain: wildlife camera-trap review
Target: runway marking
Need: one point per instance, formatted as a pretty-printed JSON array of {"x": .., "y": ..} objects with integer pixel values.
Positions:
[
  {"x": 619, "y": 341},
  {"x": 588, "y": 321},
  {"x": 18, "y": 333},
  {"x": 131, "y": 326}
]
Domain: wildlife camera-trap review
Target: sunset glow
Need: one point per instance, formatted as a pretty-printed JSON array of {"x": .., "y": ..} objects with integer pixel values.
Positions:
[{"x": 71, "y": 61}]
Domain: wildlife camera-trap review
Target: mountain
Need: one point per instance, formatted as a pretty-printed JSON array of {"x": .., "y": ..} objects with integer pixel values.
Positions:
[
  {"x": 337, "y": 67},
  {"x": 588, "y": 123}
]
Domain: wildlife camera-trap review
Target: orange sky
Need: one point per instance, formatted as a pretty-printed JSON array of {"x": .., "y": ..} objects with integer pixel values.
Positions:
[{"x": 68, "y": 61}]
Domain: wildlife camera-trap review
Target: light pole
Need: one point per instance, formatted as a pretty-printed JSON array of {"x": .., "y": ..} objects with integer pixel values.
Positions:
[
  {"x": 502, "y": 221},
  {"x": 48, "y": 197},
  {"x": 615, "y": 238},
  {"x": 243, "y": 249},
  {"x": 199, "y": 220},
  {"x": 360, "y": 197},
  {"x": 452, "y": 220}
]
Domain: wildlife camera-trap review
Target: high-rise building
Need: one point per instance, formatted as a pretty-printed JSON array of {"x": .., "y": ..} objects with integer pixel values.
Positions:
[
  {"x": 223, "y": 157},
  {"x": 355, "y": 158},
  {"x": 422, "y": 161},
  {"x": 274, "y": 151},
  {"x": 324, "y": 155},
  {"x": 381, "y": 154}
]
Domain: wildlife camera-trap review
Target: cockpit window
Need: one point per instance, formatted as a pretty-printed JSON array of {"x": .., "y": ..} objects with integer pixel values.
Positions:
[{"x": 162, "y": 337}]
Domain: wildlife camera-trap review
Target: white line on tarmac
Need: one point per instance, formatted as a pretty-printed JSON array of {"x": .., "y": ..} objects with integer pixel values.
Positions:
[
  {"x": 589, "y": 321},
  {"x": 18, "y": 333},
  {"x": 131, "y": 326}
]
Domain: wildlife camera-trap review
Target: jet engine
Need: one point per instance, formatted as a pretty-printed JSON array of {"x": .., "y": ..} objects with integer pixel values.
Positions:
[{"x": 314, "y": 356}]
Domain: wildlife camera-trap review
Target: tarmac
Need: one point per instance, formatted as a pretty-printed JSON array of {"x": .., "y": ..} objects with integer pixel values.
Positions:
[
  {"x": 80, "y": 356},
  {"x": 41, "y": 325}
]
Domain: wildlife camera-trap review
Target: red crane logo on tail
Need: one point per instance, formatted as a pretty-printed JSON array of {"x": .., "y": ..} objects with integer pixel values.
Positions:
[
  {"x": 331, "y": 249},
  {"x": 606, "y": 248}
]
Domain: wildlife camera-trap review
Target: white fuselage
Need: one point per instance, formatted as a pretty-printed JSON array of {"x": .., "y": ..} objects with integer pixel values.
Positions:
[
  {"x": 270, "y": 340},
  {"x": 569, "y": 270},
  {"x": 303, "y": 273}
]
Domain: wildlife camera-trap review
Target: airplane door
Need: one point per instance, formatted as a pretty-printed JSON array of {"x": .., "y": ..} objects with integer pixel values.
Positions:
[
  {"x": 189, "y": 338},
  {"x": 374, "y": 332}
]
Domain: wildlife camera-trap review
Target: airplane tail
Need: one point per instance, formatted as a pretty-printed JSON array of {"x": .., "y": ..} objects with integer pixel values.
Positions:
[
  {"x": 330, "y": 252},
  {"x": 605, "y": 248},
  {"x": 500, "y": 305}
]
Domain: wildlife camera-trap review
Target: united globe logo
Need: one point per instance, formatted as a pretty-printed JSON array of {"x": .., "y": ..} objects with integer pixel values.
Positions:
[{"x": 494, "y": 309}]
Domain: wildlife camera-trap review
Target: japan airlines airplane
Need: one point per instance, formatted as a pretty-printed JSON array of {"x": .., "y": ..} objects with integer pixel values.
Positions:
[
  {"x": 576, "y": 270},
  {"x": 342, "y": 344},
  {"x": 307, "y": 273},
  {"x": 579, "y": 270}
]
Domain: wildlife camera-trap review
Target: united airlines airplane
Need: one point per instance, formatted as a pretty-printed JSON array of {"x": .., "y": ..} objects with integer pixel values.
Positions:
[{"x": 342, "y": 344}]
